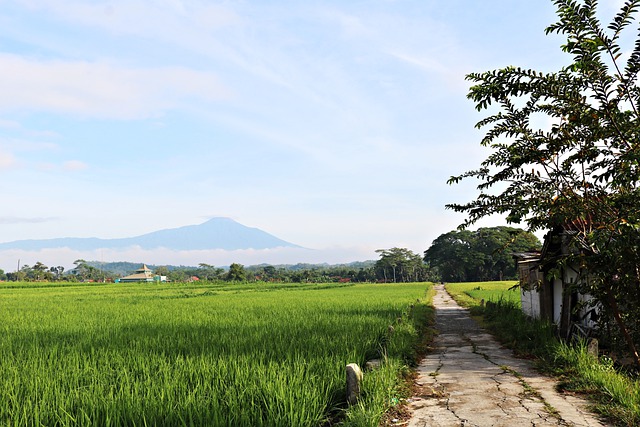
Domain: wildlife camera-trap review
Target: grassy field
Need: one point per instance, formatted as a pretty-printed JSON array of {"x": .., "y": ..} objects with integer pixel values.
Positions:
[
  {"x": 177, "y": 354},
  {"x": 471, "y": 294},
  {"x": 614, "y": 394}
]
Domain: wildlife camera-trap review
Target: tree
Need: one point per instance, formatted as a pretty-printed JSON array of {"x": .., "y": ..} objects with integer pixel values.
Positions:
[
  {"x": 236, "y": 273},
  {"x": 584, "y": 168},
  {"x": 209, "y": 272},
  {"x": 484, "y": 254},
  {"x": 38, "y": 270},
  {"x": 178, "y": 275},
  {"x": 400, "y": 265},
  {"x": 83, "y": 271},
  {"x": 56, "y": 272},
  {"x": 452, "y": 255},
  {"x": 26, "y": 273},
  {"x": 162, "y": 271}
]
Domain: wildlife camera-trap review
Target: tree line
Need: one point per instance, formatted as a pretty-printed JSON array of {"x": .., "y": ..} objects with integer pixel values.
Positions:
[
  {"x": 454, "y": 256},
  {"x": 481, "y": 255}
]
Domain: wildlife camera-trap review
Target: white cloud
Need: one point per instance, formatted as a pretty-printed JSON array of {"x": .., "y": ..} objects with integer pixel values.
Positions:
[
  {"x": 24, "y": 145},
  {"x": 426, "y": 63},
  {"x": 23, "y": 220},
  {"x": 7, "y": 160},
  {"x": 18, "y": 127},
  {"x": 74, "y": 165},
  {"x": 100, "y": 89},
  {"x": 9, "y": 124},
  {"x": 137, "y": 16}
]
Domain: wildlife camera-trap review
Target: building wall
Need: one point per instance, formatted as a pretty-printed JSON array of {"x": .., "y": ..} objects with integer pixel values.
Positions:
[
  {"x": 586, "y": 318},
  {"x": 557, "y": 300},
  {"x": 530, "y": 303},
  {"x": 529, "y": 282}
]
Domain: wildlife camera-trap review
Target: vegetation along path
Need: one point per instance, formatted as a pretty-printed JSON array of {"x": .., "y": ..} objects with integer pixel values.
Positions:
[{"x": 469, "y": 379}]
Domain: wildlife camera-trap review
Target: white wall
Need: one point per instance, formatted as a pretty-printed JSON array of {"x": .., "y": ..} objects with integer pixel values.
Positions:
[
  {"x": 557, "y": 300},
  {"x": 530, "y": 303}
]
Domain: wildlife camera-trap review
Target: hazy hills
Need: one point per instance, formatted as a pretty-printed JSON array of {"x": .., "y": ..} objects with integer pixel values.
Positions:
[{"x": 216, "y": 233}]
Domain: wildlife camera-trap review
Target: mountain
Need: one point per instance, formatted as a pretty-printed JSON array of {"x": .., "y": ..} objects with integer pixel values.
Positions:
[{"x": 217, "y": 233}]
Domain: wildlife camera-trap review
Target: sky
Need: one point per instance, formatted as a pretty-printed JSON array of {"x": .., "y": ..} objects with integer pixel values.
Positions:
[{"x": 331, "y": 124}]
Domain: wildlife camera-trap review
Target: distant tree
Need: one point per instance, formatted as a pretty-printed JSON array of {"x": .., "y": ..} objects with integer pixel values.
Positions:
[
  {"x": 3, "y": 276},
  {"x": 236, "y": 273},
  {"x": 81, "y": 269},
  {"x": 84, "y": 271},
  {"x": 56, "y": 272},
  {"x": 178, "y": 275},
  {"x": 162, "y": 271},
  {"x": 400, "y": 265},
  {"x": 16, "y": 276},
  {"x": 209, "y": 272},
  {"x": 269, "y": 273},
  {"x": 25, "y": 273},
  {"x": 38, "y": 270},
  {"x": 485, "y": 254}
]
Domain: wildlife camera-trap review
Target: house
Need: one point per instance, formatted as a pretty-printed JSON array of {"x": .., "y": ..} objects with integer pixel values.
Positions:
[
  {"x": 545, "y": 284},
  {"x": 143, "y": 274}
]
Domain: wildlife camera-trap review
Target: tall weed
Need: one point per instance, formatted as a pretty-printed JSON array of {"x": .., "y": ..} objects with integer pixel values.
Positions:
[{"x": 615, "y": 394}]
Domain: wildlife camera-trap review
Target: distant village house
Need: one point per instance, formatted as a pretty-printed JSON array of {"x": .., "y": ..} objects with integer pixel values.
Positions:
[{"x": 143, "y": 274}]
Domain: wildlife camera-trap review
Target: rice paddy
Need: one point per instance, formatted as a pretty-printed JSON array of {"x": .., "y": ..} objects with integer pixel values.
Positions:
[
  {"x": 206, "y": 354},
  {"x": 471, "y": 294}
]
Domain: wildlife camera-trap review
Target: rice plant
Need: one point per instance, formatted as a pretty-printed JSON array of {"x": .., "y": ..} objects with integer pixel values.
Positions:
[{"x": 178, "y": 354}]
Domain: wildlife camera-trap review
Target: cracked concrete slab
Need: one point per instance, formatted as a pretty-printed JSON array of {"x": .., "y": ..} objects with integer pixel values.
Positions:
[{"x": 470, "y": 380}]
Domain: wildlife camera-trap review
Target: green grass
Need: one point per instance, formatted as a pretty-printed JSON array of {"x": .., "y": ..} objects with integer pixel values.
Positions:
[
  {"x": 470, "y": 294},
  {"x": 614, "y": 394},
  {"x": 204, "y": 354}
]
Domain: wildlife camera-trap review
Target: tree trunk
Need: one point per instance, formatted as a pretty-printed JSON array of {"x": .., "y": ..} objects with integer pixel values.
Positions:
[
  {"x": 616, "y": 314},
  {"x": 565, "y": 312}
]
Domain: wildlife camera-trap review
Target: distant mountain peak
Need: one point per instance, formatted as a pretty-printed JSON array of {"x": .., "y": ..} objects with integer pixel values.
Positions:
[{"x": 215, "y": 233}]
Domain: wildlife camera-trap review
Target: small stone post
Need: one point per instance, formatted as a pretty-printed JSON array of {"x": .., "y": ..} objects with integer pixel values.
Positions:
[
  {"x": 354, "y": 377},
  {"x": 592, "y": 347}
]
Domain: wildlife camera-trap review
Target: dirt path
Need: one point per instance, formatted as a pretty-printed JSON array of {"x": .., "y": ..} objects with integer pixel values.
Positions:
[{"x": 470, "y": 380}]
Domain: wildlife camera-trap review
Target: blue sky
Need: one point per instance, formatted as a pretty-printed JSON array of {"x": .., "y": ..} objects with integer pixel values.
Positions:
[{"x": 331, "y": 124}]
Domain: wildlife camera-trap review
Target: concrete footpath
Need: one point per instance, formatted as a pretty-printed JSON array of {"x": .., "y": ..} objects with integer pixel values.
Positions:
[{"x": 470, "y": 380}]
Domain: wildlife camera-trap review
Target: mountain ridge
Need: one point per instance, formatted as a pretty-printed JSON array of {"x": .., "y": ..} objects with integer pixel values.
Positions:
[{"x": 215, "y": 233}]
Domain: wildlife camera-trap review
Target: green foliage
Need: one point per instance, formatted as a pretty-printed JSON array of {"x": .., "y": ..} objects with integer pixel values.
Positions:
[
  {"x": 298, "y": 273},
  {"x": 400, "y": 265},
  {"x": 209, "y": 272},
  {"x": 481, "y": 255},
  {"x": 505, "y": 318},
  {"x": 236, "y": 273},
  {"x": 615, "y": 394},
  {"x": 193, "y": 354},
  {"x": 581, "y": 172},
  {"x": 401, "y": 348},
  {"x": 471, "y": 294}
]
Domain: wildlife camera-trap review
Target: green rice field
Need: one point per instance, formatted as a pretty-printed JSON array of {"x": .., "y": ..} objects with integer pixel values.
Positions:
[
  {"x": 205, "y": 354},
  {"x": 472, "y": 293}
]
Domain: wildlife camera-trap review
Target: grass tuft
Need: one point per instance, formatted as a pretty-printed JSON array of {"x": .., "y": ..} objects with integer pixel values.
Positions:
[{"x": 614, "y": 394}]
